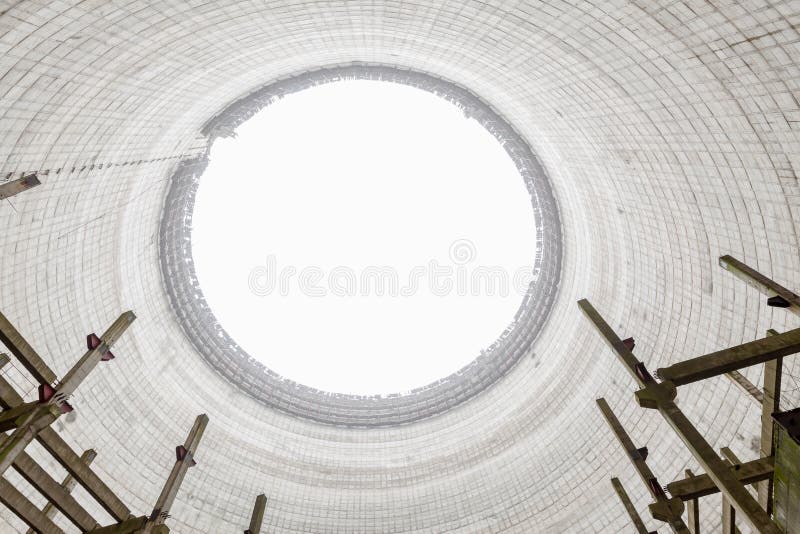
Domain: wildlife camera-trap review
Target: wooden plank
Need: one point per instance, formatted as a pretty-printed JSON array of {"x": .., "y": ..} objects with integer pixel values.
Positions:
[
  {"x": 54, "y": 492},
  {"x": 28, "y": 357},
  {"x": 68, "y": 484},
  {"x": 667, "y": 510},
  {"x": 78, "y": 373},
  {"x": 9, "y": 419},
  {"x": 129, "y": 526},
  {"x": 29, "y": 426},
  {"x": 731, "y": 359},
  {"x": 258, "y": 515},
  {"x": 15, "y": 187},
  {"x": 702, "y": 485},
  {"x": 728, "y": 511},
  {"x": 86, "y": 477},
  {"x": 757, "y": 280},
  {"x": 636, "y": 519},
  {"x": 773, "y": 372},
  {"x": 185, "y": 460},
  {"x": 70, "y": 461},
  {"x": 660, "y": 396},
  {"x": 44, "y": 414},
  {"x": 748, "y": 387},
  {"x": 692, "y": 510}
]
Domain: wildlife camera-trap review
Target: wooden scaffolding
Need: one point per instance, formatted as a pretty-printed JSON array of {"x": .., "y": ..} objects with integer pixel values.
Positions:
[{"x": 725, "y": 474}]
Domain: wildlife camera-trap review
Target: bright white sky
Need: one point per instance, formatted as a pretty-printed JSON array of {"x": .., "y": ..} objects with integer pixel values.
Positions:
[{"x": 358, "y": 174}]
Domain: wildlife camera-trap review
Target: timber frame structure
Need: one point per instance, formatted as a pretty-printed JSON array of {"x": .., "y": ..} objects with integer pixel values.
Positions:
[
  {"x": 724, "y": 474},
  {"x": 29, "y": 421}
]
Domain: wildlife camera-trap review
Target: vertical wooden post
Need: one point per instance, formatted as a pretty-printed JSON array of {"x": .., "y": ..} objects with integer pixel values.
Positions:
[
  {"x": 693, "y": 510},
  {"x": 258, "y": 515}
]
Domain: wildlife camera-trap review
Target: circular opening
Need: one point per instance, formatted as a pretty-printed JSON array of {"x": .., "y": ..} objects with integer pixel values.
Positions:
[
  {"x": 227, "y": 357},
  {"x": 363, "y": 237}
]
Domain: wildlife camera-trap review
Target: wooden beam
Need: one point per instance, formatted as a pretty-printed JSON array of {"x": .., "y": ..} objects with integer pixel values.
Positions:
[
  {"x": 68, "y": 484},
  {"x": 29, "y": 426},
  {"x": 664, "y": 509},
  {"x": 701, "y": 485},
  {"x": 54, "y": 492},
  {"x": 728, "y": 511},
  {"x": 48, "y": 410},
  {"x": 773, "y": 372},
  {"x": 258, "y": 515},
  {"x": 692, "y": 509},
  {"x": 660, "y": 396},
  {"x": 129, "y": 526},
  {"x": 9, "y": 419},
  {"x": 70, "y": 461},
  {"x": 94, "y": 485},
  {"x": 723, "y": 361},
  {"x": 184, "y": 460},
  {"x": 14, "y": 187},
  {"x": 28, "y": 357},
  {"x": 92, "y": 357},
  {"x": 626, "y": 502},
  {"x": 25, "y": 509},
  {"x": 748, "y": 387},
  {"x": 757, "y": 280}
]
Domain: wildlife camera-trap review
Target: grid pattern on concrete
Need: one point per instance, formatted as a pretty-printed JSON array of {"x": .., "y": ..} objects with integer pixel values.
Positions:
[{"x": 670, "y": 132}]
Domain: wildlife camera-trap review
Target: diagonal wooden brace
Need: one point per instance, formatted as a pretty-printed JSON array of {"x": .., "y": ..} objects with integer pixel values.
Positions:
[
  {"x": 717, "y": 470},
  {"x": 184, "y": 460}
]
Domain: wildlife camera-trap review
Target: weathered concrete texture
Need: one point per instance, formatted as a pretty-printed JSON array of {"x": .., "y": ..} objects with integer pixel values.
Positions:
[{"x": 671, "y": 135}]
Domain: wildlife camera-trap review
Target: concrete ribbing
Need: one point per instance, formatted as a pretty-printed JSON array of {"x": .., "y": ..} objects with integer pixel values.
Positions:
[{"x": 670, "y": 134}]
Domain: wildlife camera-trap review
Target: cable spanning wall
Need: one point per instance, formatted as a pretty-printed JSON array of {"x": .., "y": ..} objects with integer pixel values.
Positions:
[{"x": 670, "y": 133}]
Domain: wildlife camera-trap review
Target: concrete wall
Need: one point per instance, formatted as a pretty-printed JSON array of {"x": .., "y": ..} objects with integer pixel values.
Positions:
[{"x": 671, "y": 132}]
